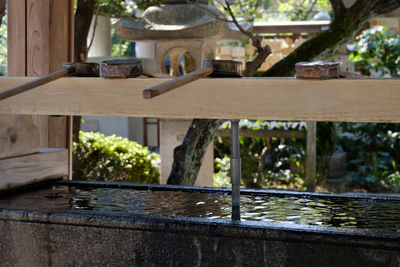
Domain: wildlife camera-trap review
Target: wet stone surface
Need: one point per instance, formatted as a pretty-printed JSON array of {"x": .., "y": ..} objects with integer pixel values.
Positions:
[{"x": 379, "y": 216}]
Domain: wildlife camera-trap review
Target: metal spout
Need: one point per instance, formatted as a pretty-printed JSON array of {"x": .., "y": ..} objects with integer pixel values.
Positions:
[{"x": 235, "y": 170}]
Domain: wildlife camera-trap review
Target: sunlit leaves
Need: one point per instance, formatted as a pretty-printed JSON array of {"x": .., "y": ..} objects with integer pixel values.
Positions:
[
  {"x": 303, "y": 10},
  {"x": 244, "y": 10},
  {"x": 377, "y": 49}
]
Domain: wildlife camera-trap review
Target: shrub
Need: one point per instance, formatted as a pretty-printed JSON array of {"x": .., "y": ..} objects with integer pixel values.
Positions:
[
  {"x": 114, "y": 158},
  {"x": 377, "y": 49}
]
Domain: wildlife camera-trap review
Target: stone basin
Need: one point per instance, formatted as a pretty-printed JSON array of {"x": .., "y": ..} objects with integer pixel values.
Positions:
[{"x": 34, "y": 236}]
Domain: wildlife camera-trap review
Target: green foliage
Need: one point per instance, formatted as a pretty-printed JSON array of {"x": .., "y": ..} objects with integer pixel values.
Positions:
[
  {"x": 373, "y": 155},
  {"x": 114, "y": 158},
  {"x": 111, "y": 8},
  {"x": 245, "y": 10},
  {"x": 303, "y": 10},
  {"x": 258, "y": 168},
  {"x": 377, "y": 49},
  {"x": 222, "y": 177},
  {"x": 327, "y": 139},
  {"x": 3, "y": 47},
  {"x": 117, "y": 8},
  {"x": 373, "y": 151},
  {"x": 120, "y": 49}
]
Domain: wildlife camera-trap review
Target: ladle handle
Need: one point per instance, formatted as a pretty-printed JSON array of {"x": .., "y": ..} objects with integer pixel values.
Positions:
[
  {"x": 154, "y": 74},
  {"x": 33, "y": 84},
  {"x": 175, "y": 83}
]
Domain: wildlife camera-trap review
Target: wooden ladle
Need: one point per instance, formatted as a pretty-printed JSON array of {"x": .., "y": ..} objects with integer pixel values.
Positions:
[
  {"x": 211, "y": 68},
  {"x": 68, "y": 69},
  {"x": 126, "y": 68}
]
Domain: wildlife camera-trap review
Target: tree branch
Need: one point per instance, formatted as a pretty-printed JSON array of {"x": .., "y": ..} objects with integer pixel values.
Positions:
[
  {"x": 386, "y": 6},
  {"x": 309, "y": 10},
  {"x": 254, "y": 37},
  {"x": 215, "y": 15},
  {"x": 2, "y": 10},
  {"x": 263, "y": 52},
  {"x": 337, "y": 6},
  {"x": 83, "y": 18},
  {"x": 256, "y": 63}
]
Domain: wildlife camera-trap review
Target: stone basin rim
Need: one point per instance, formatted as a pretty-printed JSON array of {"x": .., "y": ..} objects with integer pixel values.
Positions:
[
  {"x": 200, "y": 226},
  {"x": 253, "y": 192},
  {"x": 349, "y": 196},
  {"x": 210, "y": 227}
]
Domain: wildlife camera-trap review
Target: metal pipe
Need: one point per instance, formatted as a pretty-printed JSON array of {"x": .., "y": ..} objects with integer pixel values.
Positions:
[{"x": 235, "y": 170}]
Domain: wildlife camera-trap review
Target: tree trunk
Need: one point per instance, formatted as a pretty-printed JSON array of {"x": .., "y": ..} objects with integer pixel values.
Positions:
[
  {"x": 189, "y": 155},
  {"x": 83, "y": 19},
  {"x": 2, "y": 10},
  {"x": 345, "y": 23}
]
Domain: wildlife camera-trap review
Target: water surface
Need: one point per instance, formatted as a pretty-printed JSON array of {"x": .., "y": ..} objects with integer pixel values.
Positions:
[{"x": 374, "y": 215}]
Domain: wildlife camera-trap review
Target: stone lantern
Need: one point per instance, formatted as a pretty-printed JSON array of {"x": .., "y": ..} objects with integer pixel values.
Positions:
[{"x": 179, "y": 28}]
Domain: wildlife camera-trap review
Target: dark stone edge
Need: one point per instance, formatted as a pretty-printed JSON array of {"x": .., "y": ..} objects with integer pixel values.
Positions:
[
  {"x": 201, "y": 226},
  {"x": 255, "y": 192},
  {"x": 208, "y": 227}
]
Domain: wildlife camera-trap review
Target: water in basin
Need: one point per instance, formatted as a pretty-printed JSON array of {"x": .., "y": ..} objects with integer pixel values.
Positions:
[{"x": 374, "y": 215}]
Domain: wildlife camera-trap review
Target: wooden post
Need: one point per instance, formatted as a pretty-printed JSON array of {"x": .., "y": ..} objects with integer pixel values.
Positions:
[
  {"x": 311, "y": 154},
  {"x": 18, "y": 134},
  {"x": 40, "y": 38}
]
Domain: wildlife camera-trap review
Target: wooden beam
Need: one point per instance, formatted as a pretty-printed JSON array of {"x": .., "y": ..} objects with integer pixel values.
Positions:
[
  {"x": 264, "y": 133},
  {"x": 47, "y": 164},
  {"x": 294, "y": 27},
  {"x": 365, "y": 100}
]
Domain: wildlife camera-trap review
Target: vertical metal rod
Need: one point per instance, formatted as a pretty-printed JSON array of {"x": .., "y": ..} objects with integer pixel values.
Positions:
[
  {"x": 235, "y": 170},
  {"x": 311, "y": 152}
]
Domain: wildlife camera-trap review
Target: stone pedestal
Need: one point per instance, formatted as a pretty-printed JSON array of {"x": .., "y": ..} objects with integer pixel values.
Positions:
[
  {"x": 101, "y": 46},
  {"x": 172, "y": 133}
]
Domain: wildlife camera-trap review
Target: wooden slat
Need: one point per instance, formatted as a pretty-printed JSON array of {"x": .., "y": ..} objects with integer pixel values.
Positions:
[
  {"x": 48, "y": 163},
  {"x": 38, "y": 33},
  {"x": 253, "y": 98},
  {"x": 37, "y": 49},
  {"x": 60, "y": 34},
  {"x": 58, "y": 135},
  {"x": 16, "y": 35},
  {"x": 71, "y": 31},
  {"x": 42, "y": 123}
]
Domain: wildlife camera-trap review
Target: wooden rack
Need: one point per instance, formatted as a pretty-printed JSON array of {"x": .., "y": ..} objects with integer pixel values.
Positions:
[{"x": 364, "y": 100}]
